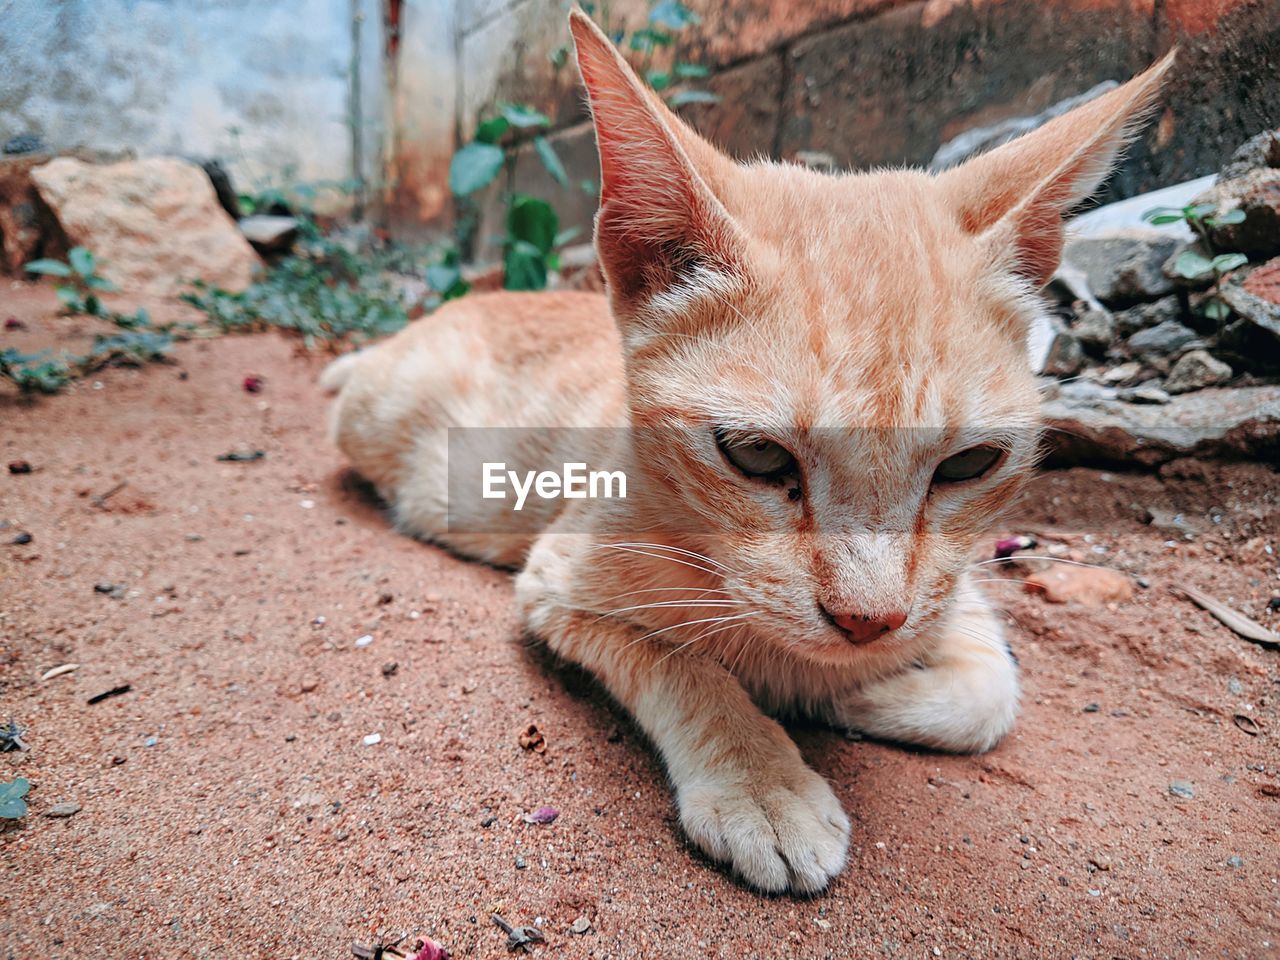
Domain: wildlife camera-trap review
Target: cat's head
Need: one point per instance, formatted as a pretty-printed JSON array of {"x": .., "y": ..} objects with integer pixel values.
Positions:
[{"x": 829, "y": 373}]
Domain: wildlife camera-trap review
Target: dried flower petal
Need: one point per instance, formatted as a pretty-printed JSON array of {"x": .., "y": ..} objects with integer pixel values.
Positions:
[
  {"x": 428, "y": 949},
  {"x": 1008, "y": 546},
  {"x": 542, "y": 815}
]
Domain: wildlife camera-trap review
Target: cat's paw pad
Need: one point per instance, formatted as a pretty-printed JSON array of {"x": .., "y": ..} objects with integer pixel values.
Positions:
[{"x": 779, "y": 834}]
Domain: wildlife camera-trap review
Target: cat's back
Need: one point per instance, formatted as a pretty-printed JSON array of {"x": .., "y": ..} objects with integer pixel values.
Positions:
[{"x": 550, "y": 359}]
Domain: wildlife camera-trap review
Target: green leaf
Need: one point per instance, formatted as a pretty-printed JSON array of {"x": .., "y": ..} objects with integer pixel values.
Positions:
[
  {"x": 101, "y": 283},
  {"x": 524, "y": 116},
  {"x": 1235, "y": 215},
  {"x": 1199, "y": 211},
  {"x": 473, "y": 167},
  {"x": 12, "y": 806},
  {"x": 1163, "y": 218},
  {"x": 1191, "y": 265},
  {"x": 658, "y": 79},
  {"x": 673, "y": 15},
  {"x": 691, "y": 71},
  {"x": 441, "y": 278},
  {"x": 52, "y": 268},
  {"x": 533, "y": 221},
  {"x": 491, "y": 130},
  {"x": 1228, "y": 261},
  {"x": 1215, "y": 309},
  {"x": 551, "y": 160},
  {"x": 81, "y": 259},
  {"x": 684, "y": 97},
  {"x": 524, "y": 271},
  {"x": 69, "y": 297}
]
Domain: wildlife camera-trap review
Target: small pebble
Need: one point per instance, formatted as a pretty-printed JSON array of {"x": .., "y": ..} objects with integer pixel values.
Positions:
[
  {"x": 1274, "y": 604},
  {"x": 1235, "y": 686},
  {"x": 103, "y": 587},
  {"x": 1180, "y": 788},
  {"x": 580, "y": 926},
  {"x": 150, "y": 742},
  {"x": 1091, "y": 708},
  {"x": 1234, "y": 861},
  {"x": 364, "y": 641},
  {"x": 389, "y": 668},
  {"x": 22, "y": 539},
  {"x": 520, "y": 864},
  {"x": 372, "y": 739},
  {"x": 821, "y": 924},
  {"x": 1095, "y": 893},
  {"x": 19, "y": 466},
  {"x": 67, "y": 809}
]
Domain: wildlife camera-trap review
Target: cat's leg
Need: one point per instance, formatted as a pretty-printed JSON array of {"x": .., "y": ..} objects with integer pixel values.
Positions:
[
  {"x": 744, "y": 794},
  {"x": 962, "y": 696}
]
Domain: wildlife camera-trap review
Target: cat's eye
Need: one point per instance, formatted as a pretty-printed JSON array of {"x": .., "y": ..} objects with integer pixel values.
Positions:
[
  {"x": 968, "y": 464},
  {"x": 756, "y": 457}
]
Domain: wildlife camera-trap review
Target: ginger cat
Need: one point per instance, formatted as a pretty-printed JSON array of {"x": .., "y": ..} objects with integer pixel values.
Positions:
[{"x": 829, "y": 402}]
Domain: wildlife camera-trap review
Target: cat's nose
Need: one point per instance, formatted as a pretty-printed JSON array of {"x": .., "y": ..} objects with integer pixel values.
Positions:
[{"x": 862, "y": 628}]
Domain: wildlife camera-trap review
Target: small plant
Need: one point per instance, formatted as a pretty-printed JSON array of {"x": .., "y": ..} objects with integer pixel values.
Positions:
[
  {"x": 1193, "y": 265},
  {"x": 531, "y": 222},
  {"x": 137, "y": 342},
  {"x": 35, "y": 372},
  {"x": 12, "y": 804},
  {"x": 321, "y": 302},
  {"x": 79, "y": 292}
]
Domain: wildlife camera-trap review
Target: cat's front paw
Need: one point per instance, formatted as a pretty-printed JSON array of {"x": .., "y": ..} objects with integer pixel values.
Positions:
[{"x": 780, "y": 833}]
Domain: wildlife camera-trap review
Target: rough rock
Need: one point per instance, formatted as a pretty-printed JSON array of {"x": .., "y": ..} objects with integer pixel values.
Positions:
[
  {"x": 1144, "y": 315},
  {"x": 24, "y": 143},
  {"x": 23, "y": 218},
  {"x": 1255, "y": 295},
  {"x": 1161, "y": 340},
  {"x": 1257, "y": 195},
  {"x": 223, "y": 186},
  {"x": 1087, "y": 585},
  {"x": 1089, "y": 422},
  {"x": 978, "y": 140},
  {"x": 1065, "y": 357},
  {"x": 155, "y": 224},
  {"x": 1255, "y": 153},
  {"x": 269, "y": 234},
  {"x": 1095, "y": 329},
  {"x": 1145, "y": 393},
  {"x": 1123, "y": 266},
  {"x": 1196, "y": 370}
]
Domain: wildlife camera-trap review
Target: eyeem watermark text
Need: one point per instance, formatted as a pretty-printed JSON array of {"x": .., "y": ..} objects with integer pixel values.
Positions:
[{"x": 573, "y": 482}]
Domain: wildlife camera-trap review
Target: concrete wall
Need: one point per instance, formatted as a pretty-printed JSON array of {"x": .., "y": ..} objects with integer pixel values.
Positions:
[{"x": 177, "y": 76}]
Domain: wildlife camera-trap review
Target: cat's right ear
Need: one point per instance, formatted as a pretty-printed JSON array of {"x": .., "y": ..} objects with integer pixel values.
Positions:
[{"x": 660, "y": 228}]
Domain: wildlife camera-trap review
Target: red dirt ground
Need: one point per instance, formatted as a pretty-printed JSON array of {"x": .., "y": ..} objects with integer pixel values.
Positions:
[{"x": 259, "y": 825}]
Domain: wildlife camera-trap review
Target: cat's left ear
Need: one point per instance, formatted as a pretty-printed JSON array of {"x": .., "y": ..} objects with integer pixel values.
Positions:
[{"x": 1013, "y": 198}]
